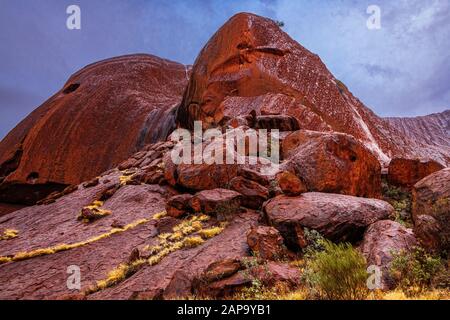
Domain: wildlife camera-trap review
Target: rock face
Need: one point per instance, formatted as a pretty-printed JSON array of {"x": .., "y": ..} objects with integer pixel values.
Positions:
[
  {"x": 407, "y": 172},
  {"x": 226, "y": 286},
  {"x": 433, "y": 129},
  {"x": 266, "y": 242},
  {"x": 382, "y": 239},
  {"x": 431, "y": 197},
  {"x": 336, "y": 217},
  {"x": 332, "y": 162},
  {"x": 216, "y": 201},
  {"x": 251, "y": 65},
  {"x": 102, "y": 115}
]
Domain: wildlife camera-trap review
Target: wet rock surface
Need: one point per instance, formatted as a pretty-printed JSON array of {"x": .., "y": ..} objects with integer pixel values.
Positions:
[
  {"x": 336, "y": 217},
  {"x": 407, "y": 172},
  {"x": 381, "y": 240},
  {"x": 431, "y": 197}
]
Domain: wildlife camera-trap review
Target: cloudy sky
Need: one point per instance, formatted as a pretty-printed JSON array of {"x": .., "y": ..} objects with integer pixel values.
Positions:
[{"x": 402, "y": 69}]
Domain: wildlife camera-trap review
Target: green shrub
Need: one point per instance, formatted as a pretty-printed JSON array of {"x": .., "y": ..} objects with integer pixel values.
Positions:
[
  {"x": 415, "y": 270},
  {"x": 337, "y": 273},
  {"x": 401, "y": 200}
]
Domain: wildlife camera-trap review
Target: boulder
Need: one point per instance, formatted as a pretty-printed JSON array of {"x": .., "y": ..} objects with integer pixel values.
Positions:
[
  {"x": 218, "y": 202},
  {"x": 253, "y": 194},
  {"x": 381, "y": 240},
  {"x": 290, "y": 184},
  {"x": 91, "y": 125},
  {"x": 253, "y": 175},
  {"x": 178, "y": 205},
  {"x": 431, "y": 197},
  {"x": 336, "y": 217},
  {"x": 205, "y": 176},
  {"x": 429, "y": 232},
  {"x": 332, "y": 163},
  {"x": 407, "y": 172},
  {"x": 268, "y": 274},
  {"x": 266, "y": 243}
]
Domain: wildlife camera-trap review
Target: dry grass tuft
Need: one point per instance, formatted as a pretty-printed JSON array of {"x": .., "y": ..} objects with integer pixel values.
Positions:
[
  {"x": 9, "y": 234},
  {"x": 64, "y": 247}
]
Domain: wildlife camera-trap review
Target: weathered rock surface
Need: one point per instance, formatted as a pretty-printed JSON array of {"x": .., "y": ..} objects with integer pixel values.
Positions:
[
  {"x": 336, "y": 217},
  {"x": 174, "y": 275},
  {"x": 430, "y": 134},
  {"x": 290, "y": 184},
  {"x": 381, "y": 240},
  {"x": 178, "y": 205},
  {"x": 333, "y": 163},
  {"x": 102, "y": 115},
  {"x": 267, "y": 274},
  {"x": 266, "y": 243},
  {"x": 253, "y": 194},
  {"x": 431, "y": 196},
  {"x": 407, "y": 172},
  {"x": 251, "y": 65},
  {"x": 216, "y": 201}
]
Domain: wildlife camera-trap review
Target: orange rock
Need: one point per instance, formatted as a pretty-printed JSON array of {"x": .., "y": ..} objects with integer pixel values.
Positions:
[
  {"x": 332, "y": 162},
  {"x": 205, "y": 176},
  {"x": 219, "y": 202},
  {"x": 290, "y": 184},
  {"x": 253, "y": 194},
  {"x": 102, "y": 115},
  {"x": 178, "y": 205},
  {"x": 266, "y": 243},
  {"x": 407, "y": 172}
]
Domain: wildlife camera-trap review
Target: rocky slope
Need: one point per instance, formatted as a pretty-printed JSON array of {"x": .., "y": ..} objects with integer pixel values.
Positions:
[
  {"x": 433, "y": 129},
  {"x": 102, "y": 115},
  {"x": 153, "y": 229}
]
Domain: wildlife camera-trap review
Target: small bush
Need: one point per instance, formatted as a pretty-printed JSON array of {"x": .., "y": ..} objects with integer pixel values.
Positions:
[
  {"x": 337, "y": 273},
  {"x": 416, "y": 270}
]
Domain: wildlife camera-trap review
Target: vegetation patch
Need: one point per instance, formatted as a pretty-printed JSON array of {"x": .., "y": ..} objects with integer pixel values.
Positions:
[
  {"x": 187, "y": 234},
  {"x": 93, "y": 212},
  {"x": 417, "y": 271},
  {"x": 336, "y": 273},
  {"x": 401, "y": 200},
  {"x": 64, "y": 247},
  {"x": 9, "y": 234}
]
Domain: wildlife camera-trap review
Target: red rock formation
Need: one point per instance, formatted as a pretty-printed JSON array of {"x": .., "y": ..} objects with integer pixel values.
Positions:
[
  {"x": 332, "y": 162},
  {"x": 407, "y": 172},
  {"x": 433, "y": 129},
  {"x": 250, "y": 64},
  {"x": 336, "y": 217},
  {"x": 266, "y": 243},
  {"x": 431, "y": 197},
  {"x": 381, "y": 240},
  {"x": 102, "y": 115}
]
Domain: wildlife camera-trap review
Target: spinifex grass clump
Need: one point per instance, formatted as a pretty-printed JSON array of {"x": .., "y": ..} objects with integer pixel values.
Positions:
[
  {"x": 9, "y": 234},
  {"x": 93, "y": 212}
]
